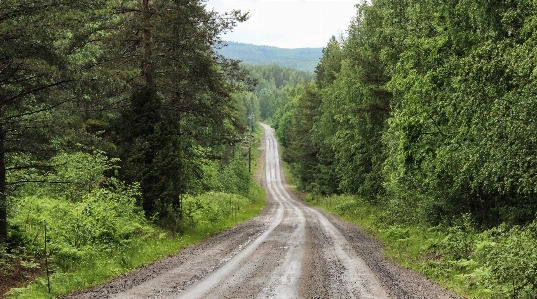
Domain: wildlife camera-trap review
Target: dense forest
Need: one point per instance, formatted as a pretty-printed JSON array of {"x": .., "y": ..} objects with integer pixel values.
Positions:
[
  {"x": 427, "y": 106},
  {"x": 115, "y": 117},
  {"x": 304, "y": 59},
  {"x": 426, "y": 110},
  {"x": 274, "y": 84}
]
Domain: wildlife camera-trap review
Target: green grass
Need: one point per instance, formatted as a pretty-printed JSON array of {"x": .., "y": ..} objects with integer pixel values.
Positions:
[{"x": 104, "y": 266}]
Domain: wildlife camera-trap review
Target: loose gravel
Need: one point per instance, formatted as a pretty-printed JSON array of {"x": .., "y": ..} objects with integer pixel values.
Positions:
[{"x": 290, "y": 250}]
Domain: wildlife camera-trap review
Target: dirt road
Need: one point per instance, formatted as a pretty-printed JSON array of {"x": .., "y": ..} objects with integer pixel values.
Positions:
[{"x": 289, "y": 251}]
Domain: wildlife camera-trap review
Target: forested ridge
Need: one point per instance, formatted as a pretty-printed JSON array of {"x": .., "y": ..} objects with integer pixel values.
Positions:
[
  {"x": 119, "y": 123},
  {"x": 425, "y": 114},
  {"x": 304, "y": 59}
]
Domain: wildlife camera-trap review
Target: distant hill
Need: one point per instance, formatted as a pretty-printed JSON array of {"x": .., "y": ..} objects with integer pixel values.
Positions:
[{"x": 305, "y": 59}]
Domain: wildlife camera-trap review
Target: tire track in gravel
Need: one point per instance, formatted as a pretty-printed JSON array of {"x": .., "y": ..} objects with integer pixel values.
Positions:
[
  {"x": 290, "y": 250},
  {"x": 355, "y": 277},
  {"x": 282, "y": 280}
]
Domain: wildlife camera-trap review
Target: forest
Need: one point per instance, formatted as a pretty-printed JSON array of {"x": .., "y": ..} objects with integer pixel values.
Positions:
[
  {"x": 124, "y": 133},
  {"x": 120, "y": 123},
  {"x": 304, "y": 59},
  {"x": 423, "y": 120}
]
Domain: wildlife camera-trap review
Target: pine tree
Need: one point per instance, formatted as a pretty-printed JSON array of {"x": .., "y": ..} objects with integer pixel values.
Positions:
[{"x": 43, "y": 60}]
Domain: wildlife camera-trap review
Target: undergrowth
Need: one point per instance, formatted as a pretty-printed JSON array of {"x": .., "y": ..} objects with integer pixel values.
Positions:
[
  {"x": 84, "y": 266},
  {"x": 96, "y": 232}
]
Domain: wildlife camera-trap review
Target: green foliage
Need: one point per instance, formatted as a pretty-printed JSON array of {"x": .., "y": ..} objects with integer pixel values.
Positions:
[
  {"x": 450, "y": 134},
  {"x": 235, "y": 178},
  {"x": 427, "y": 107},
  {"x": 460, "y": 239},
  {"x": 101, "y": 219},
  {"x": 510, "y": 256},
  {"x": 80, "y": 234},
  {"x": 301, "y": 152},
  {"x": 330, "y": 64},
  {"x": 101, "y": 265},
  {"x": 78, "y": 211},
  {"x": 39, "y": 74},
  {"x": 77, "y": 174},
  {"x": 145, "y": 140},
  {"x": 274, "y": 86},
  {"x": 104, "y": 233},
  {"x": 212, "y": 208}
]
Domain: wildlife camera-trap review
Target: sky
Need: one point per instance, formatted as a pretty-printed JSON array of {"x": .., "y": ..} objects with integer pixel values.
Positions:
[{"x": 288, "y": 23}]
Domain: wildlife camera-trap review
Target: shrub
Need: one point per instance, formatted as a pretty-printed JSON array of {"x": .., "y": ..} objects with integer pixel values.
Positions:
[
  {"x": 459, "y": 242},
  {"x": 212, "y": 207},
  {"x": 101, "y": 220},
  {"x": 510, "y": 256},
  {"x": 78, "y": 173}
]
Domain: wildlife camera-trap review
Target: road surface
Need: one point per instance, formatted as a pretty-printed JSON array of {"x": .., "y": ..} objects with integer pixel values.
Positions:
[{"x": 290, "y": 250}]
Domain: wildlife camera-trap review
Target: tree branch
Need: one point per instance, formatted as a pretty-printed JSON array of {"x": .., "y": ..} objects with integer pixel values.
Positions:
[{"x": 35, "y": 90}]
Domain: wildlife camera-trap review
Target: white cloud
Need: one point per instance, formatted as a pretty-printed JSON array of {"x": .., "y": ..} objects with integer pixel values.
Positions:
[{"x": 288, "y": 23}]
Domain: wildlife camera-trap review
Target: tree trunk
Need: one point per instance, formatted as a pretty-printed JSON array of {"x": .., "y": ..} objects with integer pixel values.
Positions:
[
  {"x": 179, "y": 204},
  {"x": 147, "y": 63},
  {"x": 3, "y": 198}
]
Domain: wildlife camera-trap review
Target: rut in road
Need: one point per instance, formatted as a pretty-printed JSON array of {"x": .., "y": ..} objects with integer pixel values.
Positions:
[{"x": 289, "y": 251}]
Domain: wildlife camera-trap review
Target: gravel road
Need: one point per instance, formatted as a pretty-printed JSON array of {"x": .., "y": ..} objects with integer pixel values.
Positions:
[{"x": 290, "y": 250}]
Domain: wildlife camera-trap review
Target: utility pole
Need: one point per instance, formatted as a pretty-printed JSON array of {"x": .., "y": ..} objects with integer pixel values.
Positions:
[{"x": 251, "y": 119}]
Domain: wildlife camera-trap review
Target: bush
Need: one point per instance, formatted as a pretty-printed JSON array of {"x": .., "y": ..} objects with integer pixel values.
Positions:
[
  {"x": 459, "y": 242},
  {"x": 235, "y": 178},
  {"x": 101, "y": 220},
  {"x": 510, "y": 256},
  {"x": 77, "y": 173},
  {"x": 212, "y": 207}
]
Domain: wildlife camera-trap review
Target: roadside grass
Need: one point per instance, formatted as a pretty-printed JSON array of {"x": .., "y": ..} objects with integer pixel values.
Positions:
[
  {"x": 410, "y": 246},
  {"x": 100, "y": 266},
  {"x": 82, "y": 267},
  {"x": 500, "y": 262}
]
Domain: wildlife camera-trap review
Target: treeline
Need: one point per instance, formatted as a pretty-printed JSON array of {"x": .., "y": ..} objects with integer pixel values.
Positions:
[
  {"x": 273, "y": 83},
  {"x": 115, "y": 95},
  {"x": 426, "y": 108}
]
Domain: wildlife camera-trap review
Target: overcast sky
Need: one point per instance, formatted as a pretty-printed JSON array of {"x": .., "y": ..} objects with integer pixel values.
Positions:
[{"x": 288, "y": 23}]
